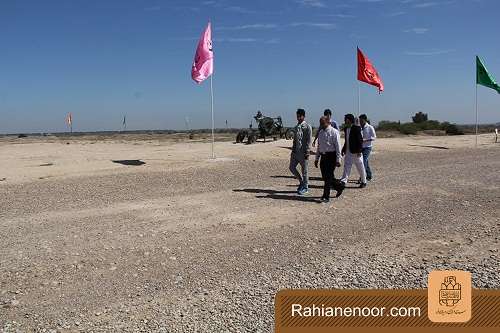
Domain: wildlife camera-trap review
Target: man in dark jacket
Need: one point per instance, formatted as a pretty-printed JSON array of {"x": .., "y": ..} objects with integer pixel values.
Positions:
[{"x": 352, "y": 149}]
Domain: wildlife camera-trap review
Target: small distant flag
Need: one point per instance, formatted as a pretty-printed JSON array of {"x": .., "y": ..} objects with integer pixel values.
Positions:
[
  {"x": 124, "y": 123},
  {"x": 203, "y": 65},
  {"x": 69, "y": 121},
  {"x": 484, "y": 78},
  {"x": 367, "y": 72}
]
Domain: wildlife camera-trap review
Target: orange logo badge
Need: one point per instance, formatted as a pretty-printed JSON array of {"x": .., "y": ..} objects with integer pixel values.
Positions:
[{"x": 449, "y": 296}]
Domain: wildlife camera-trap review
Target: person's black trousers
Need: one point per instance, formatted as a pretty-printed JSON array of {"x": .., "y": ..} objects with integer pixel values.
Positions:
[{"x": 327, "y": 166}]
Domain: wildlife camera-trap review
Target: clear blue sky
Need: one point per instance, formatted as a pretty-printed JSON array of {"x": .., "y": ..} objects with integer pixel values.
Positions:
[{"x": 102, "y": 59}]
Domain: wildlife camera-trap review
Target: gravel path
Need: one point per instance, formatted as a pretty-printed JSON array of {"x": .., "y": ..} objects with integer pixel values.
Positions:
[{"x": 205, "y": 249}]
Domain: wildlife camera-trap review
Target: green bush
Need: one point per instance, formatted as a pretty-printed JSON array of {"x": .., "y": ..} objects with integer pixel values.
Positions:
[
  {"x": 444, "y": 125},
  {"x": 429, "y": 125},
  {"x": 385, "y": 125},
  {"x": 409, "y": 128},
  {"x": 420, "y": 123},
  {"x": 453, "y": 129}
]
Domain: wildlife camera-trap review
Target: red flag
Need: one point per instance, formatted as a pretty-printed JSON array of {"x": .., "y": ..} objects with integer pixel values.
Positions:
[{"x": 367, "y": 73}]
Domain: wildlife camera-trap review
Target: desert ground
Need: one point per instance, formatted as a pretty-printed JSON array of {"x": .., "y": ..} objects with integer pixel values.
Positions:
[{"x": 149, "y": 235}]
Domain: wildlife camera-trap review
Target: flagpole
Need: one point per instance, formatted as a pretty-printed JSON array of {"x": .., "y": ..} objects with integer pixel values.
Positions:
[
  {"x": 476, "y": 160},
  {"x": 212, "y": 108},
  {"x": 359, "y": 98},
  {"x": 477, "y": 117}
]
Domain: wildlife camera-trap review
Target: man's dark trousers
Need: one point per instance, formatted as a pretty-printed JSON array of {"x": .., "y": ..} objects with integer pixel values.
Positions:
[{"x": 327, "y": 165}]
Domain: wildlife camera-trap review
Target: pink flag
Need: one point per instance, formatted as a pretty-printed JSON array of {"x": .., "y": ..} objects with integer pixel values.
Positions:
[{"x": 203, "y": 65}]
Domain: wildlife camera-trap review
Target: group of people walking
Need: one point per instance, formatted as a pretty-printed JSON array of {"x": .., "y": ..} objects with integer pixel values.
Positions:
[{"x": 359, "y": 136}]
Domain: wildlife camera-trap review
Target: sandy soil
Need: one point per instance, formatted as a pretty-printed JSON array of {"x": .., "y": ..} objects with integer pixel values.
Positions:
[
  {"x": 183, "y": 243},
  {"x": 30, "y": 159}
]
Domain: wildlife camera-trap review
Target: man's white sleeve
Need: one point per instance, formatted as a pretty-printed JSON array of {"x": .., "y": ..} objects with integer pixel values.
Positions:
[{"x": 337, "y": 146}]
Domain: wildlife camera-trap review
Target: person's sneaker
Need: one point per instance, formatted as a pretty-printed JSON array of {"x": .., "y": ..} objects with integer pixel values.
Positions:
[
  {"x": 299, "y": 189},
  {"x": 340, "y": 188},
  {"x": 369, "y": 179},
  {"x": 363, "y": 185},
  {"x": 304, "y": 191},
  {"x": 325, "y": 200}
]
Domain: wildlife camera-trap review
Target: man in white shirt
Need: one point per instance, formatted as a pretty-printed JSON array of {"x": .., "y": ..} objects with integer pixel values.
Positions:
[
  {"x": 328, "y": 154},
  {"x": 368, "y": 137}
]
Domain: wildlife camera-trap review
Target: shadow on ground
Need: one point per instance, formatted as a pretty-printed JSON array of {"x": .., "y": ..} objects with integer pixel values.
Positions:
[
  {"x": 291, "y": 195},
  {"x": 425, "y": 146},
  {"x": 292, "y": 177},
  {"x": 319, "y": 179},
  {"x": 333, "y": 188},
  {"x": 129, "y": 162},
  {"x": 278, "y": 195},
  {"x": 258, "y": 190}
]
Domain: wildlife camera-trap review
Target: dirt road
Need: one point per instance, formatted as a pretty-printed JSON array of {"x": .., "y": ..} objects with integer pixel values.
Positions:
[{"x": 185, "y": 244}]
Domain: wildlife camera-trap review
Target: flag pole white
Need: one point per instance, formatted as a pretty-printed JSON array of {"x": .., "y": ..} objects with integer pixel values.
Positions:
[
  {"x": 359, "y": 82},
  {"x": 477, "y": 117},
  {"x": 212, "y": 108},
  {"x": 359, "y": 98}
]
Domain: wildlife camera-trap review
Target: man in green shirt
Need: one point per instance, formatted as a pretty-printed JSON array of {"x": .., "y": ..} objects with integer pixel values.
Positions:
[{"x": 300, "y": 152}]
